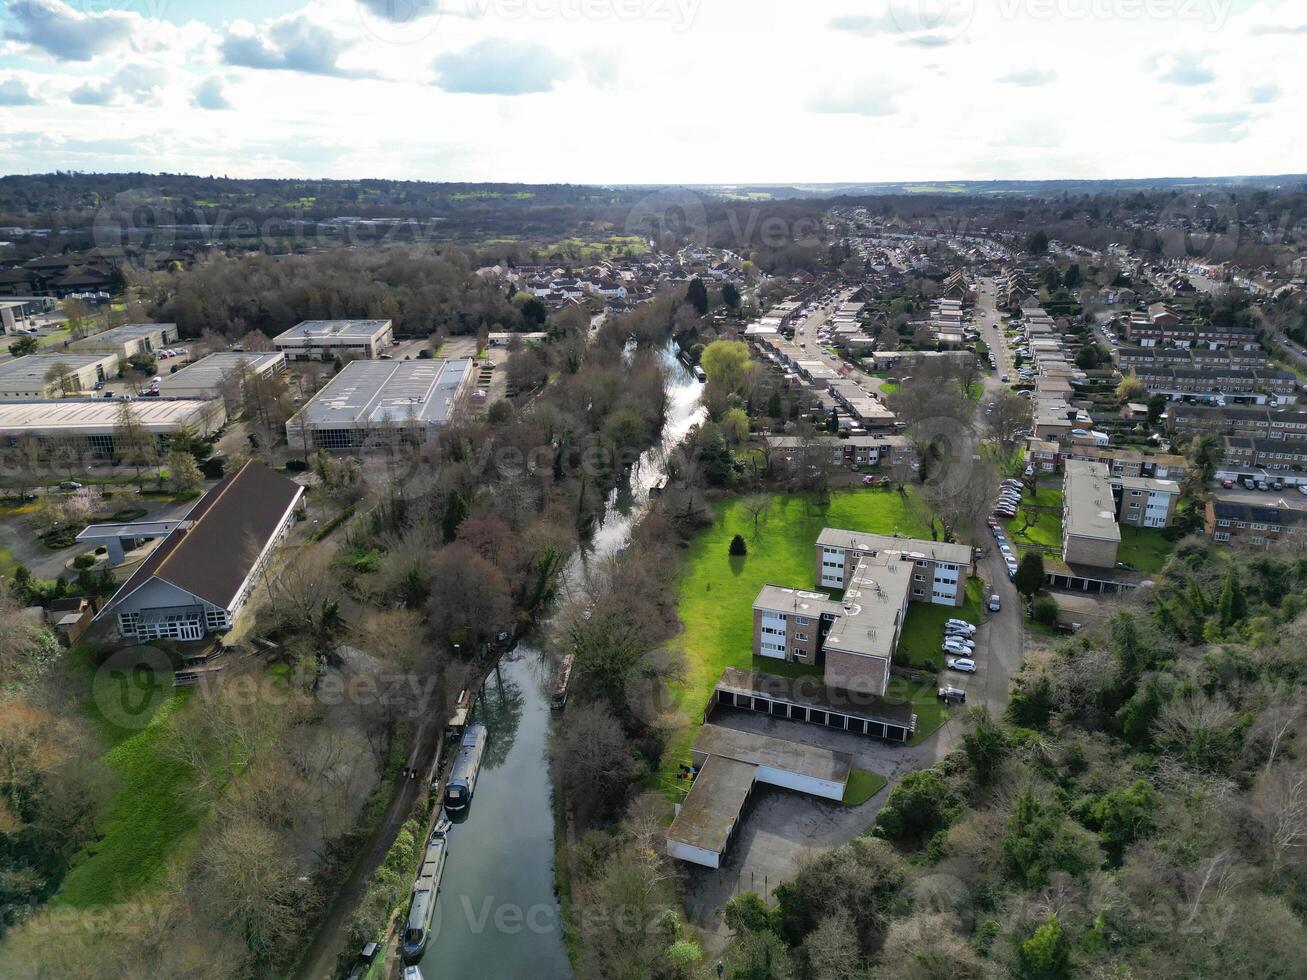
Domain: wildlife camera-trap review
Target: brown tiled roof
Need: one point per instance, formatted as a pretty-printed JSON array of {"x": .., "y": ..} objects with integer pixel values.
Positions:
[{"x": 211, "y": 554}]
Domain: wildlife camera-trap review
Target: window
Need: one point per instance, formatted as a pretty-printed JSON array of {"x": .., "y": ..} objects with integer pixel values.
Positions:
[
  {"x": 800, "y": 621},
  {"x": 918, "y": 578},
  {"x": 801, "y": 637}
]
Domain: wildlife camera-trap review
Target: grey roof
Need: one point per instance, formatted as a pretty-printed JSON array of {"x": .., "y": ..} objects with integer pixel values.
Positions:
[
  {"x": 116, "y": 336},
  {"x": 869, "y": 622},
  {"x": 833, "y": 537},
  {"x": 781, "y": 599},
  {"x": 208, "y": 372},
  {"x": 318, "y": 330},
  {"x": 812, "y": 692},
  {"x": 100, "y": 415},
  {"x": 33, "y": 368},
  {"x": 1090, "y": 508},
  {"x": 375, "y": 393}
]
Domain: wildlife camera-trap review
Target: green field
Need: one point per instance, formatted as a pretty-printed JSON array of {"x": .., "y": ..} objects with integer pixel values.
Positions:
[
  {"x": 862, "y": 786},
  {"x": 1145, "y": 549},
  {"x": 147, "y": 818},
  {"x": 923, "y": 629},
  {"x": 716, "y": 593}
]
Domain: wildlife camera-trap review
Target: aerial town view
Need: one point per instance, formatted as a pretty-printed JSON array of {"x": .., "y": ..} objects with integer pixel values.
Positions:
[{"x": 653, "y": 490}]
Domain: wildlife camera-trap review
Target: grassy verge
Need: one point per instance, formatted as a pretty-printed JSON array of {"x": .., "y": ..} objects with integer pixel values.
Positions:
[
  {"x": 862, "y": 786},
  {"x": 1144, "y": 548},
  {"x": 1045, "y": 528},
  {"x": 716, "y": 593},
  {"x": 923, "y": 628},
  {"x": 8, "y": 564},
  {"x": 147, "y": 820}
]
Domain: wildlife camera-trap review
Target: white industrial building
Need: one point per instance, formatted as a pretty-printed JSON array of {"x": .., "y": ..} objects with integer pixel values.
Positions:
[
  {"x": 322, "y": 340},
  {"x": 209, "y": 376},
  {"x": 129, "y": 339},
  {"x": 52, "y": 375},
  {"x": 381, "y": 404},
  {"x": 85, "y": 428},
  {"x": 201, "y": 575}
]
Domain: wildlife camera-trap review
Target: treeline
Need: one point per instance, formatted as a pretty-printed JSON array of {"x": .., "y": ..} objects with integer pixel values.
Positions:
[
  {"x": 422, "y": 290},
  {"x": 1141, "y": 810}
]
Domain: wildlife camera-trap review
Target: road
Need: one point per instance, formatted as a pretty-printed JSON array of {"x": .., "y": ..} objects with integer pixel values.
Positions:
[{"x": 781, "y": 830}]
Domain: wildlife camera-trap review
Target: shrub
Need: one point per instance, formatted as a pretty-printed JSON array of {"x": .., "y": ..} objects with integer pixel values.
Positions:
[
  {"x": 296, "y": 465},
  {"x": 84, "y": 561},
  {"x": 1045, "y": 611},
  {"x": 738, "y": 546},
  {"x": 919, "y": 807}
]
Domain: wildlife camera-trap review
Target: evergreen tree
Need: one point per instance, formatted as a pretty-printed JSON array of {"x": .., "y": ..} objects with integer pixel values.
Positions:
[
  {"x": 455, "y": 512},
  {"x": 1234, "y": 602},
  {"x": 696, "y": 294},
  {"x": 1030, "y": 574}
]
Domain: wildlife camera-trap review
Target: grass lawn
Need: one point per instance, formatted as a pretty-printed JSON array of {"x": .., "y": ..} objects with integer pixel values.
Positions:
[
  {"x": 862, "y": 786},
  {"x": 923, "y": 629},
  {"x": 1045, "y": 530},
  {"x": 148, "y": 816},
  {"x": 1144, "y": 548},
  {"x": 888, "y": 388},
  {"x": 716, "y": 591}
]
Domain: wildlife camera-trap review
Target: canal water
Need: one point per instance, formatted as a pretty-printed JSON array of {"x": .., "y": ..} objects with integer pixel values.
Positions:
[{"x": 497, "y": 917}]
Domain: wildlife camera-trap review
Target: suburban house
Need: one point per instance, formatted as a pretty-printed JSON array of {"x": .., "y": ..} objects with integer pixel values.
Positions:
[{"x": 200, "y": 577}]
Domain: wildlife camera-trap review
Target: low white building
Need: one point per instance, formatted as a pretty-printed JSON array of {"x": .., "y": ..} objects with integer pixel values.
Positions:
[
  {"x": 209, "y": 376},
  {"x": 373, "y": 405},
  {"x": 201, "y": 576},
  {"x": 85, "y": 428},
  {"x": 129, "y": 340},
  {"x": 322, "y": 340},
  {"x": 52, "y": 375}
]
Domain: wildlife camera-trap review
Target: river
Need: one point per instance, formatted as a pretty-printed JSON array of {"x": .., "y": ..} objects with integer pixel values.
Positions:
[{"x": 497, "y": 916}]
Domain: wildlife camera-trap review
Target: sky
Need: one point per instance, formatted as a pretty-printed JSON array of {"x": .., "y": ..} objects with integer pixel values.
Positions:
[{"x": 655, "y": 91}]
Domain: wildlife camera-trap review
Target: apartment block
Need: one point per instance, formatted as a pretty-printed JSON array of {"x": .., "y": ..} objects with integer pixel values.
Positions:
[
  {"x": 1141, "y": 502},
  {"x": 939, "y": 570},
  {"x": 1253, "y": 524},
  {"x": 790, "y": 624},
  {"x": 1238, "y": 420},
  {"x": 1090, "y": 535}
]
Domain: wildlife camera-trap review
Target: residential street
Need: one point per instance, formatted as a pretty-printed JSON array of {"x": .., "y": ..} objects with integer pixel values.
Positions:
[{"x": 779, "y": 829}]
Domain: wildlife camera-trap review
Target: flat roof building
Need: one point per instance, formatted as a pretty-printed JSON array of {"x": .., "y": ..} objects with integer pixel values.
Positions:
[
  {"x": 86, "y": 428},
  {"x": 209, "y": 376},
  {"x": 322, "y": 340},
  {"x": 129, "y": 339},
  {"x": 1090, "y": 535},
  {"x": 729, "y": 763},
  {"x": 51, "y": 375},
  {"x": 379, "y": 404}
]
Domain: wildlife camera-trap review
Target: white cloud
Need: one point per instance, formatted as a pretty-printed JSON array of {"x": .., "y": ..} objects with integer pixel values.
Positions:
[
  {"x": 129, "y": 84},
  {"x": 211, "y": 94},
  {"x": 1185, "y": 68},
  {"x": 65, "y": 33},
  {"x": 16, "y": 91},
  {"x": 498, "y": 66},
  {"x": 292, "y": 43},
  {"x": 867, "y": 97},
  {"x": 1029, "y": 77}
]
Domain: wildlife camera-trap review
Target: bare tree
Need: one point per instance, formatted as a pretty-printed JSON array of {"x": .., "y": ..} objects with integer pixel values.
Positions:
[{"x": 1279, "y": 802}]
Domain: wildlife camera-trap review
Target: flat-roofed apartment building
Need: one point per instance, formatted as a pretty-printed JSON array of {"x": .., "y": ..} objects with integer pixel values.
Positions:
[
  {"x": 78, "y": 429},
  {"x": 938, "y": 569},
  {"x": 322, "y": 340},
  {"x": 215, "y": 375},
  {"x": 129, "y": 339},
  {"x": 52, "y": 375},
  {"x": 200, "y": 577},
  {"x": 1144, "y": 502},
  {"x": 1090, "y": 535},
  {"x": 381, "y": 404}
]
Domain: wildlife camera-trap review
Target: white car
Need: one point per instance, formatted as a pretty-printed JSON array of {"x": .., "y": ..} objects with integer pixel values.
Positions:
[
  {"x": 962, "y": 664},
  {"x": 967, "y": 646},
  {"x": 961, "y": 624},
  {"x": 954, "y": 649},
  {"x": 995, "y": 603}
]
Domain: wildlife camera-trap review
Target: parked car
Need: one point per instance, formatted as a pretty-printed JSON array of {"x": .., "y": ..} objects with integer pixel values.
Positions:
[
  {"x": 960, "y": 624},
  {"x": 952, "y": 694},
  {"x": 995, "y": 603},
  {"x": 962, "y": 664},
  {"x": 1277, "y": 484},
  {"x": 991, "y": 522},
  {"x": 70, "y": 485},
  {"x": 1227, "y": 484},
  {"x": 954, "y": 649}
]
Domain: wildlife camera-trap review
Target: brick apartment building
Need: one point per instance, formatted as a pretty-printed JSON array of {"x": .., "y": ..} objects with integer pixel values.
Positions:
[
  {"x": 1238, "y": 420},
  {"x": 1253, "y": 524}
]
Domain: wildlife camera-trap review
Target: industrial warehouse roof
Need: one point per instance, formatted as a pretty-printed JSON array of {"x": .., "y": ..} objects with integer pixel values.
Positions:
[
  {"x": 833, "y": 537},
  {"x": 99, "y": 415},
  {"x": 1088, "y": 501},
  {"x": 373, "y": 393},
  {"x": 116, "y": 336},
  {"x": 33, "y": 368},
  {"x": 209, "y": 372},
  {"x": 317, "y": 330},
  {"x": 210, "y": 555}
]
